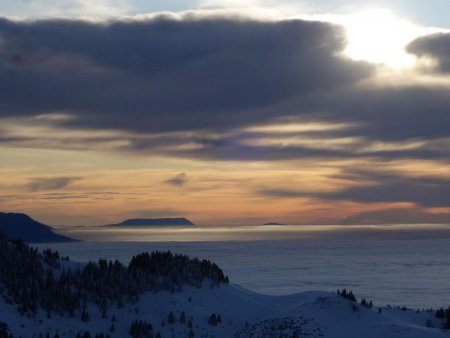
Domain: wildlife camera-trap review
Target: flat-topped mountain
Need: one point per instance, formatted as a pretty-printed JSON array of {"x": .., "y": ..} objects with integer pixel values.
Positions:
[
  {"x": 151, "y": 222},
  {"x": 16, "y": 225}
]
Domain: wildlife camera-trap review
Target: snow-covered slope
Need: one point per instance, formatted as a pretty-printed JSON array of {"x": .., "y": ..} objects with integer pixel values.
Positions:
[{"x": 243, "y": 314}]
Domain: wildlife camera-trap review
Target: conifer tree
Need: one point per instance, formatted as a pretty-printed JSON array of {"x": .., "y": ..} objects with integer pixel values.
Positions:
[{"x": 170, "y": 318}]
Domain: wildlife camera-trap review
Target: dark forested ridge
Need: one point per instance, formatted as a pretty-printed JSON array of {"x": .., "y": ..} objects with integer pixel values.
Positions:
[
  {"x": 34, "y": 280},
  {"x": 16, "y": 225}
]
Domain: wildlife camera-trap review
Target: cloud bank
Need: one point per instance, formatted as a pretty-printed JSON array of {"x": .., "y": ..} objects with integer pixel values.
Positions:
[
  {"x": 215, "y": 87},
  {"x": 165, "y": 74},
  {"x": 189, "y": 86},
  {"x": 379, "y": 187}
]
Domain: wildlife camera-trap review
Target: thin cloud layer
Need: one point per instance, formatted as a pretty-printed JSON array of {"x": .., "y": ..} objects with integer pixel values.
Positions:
[
  {"x": 426, "y": 192},
  {"x": 50, "y": 183},
  {"x": 66, "y": 8},
  {"x": 375, "y": 187},
  {"x": 397, "y": 216},
  {"x": 178, "y": 181}
]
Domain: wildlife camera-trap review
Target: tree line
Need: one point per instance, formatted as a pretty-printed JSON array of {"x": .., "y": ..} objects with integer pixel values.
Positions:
[{"x": 34, "y": 280}]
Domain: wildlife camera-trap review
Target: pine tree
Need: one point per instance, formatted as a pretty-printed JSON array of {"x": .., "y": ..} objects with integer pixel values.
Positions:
[
  {"x": 29, "y": 279},
  {"x": 212, "y": 320},
  {"x": 85, "y": 316},
  {"x": 170, "y": 318}
]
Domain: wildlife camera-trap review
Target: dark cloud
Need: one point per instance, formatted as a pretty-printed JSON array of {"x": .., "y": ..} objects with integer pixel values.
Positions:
[
  {"x": 238, "y": 146},
  {"x": 165, "y": 74},
  {"x": 178, "y": 181},
  {"x": 50, "y": 183},
  {"x": 397, "y": 216},
  {"x": 392, "y": 113},
  {"x": 421, "y": 191},
  {"x": 197, "y": 80},
  {"x": 228, "y": 148},
  {"x": 375, "y": 187},
  {"x": 436, "y": 46},
  {"x": 284, "y": 193}
]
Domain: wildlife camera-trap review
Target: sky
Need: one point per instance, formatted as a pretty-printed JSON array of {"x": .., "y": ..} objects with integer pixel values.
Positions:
[{"x": 298, "y": 112}]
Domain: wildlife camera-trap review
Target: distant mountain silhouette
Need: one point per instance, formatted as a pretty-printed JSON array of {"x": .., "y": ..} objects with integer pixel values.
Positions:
[
  {"x": 273, "y": 223},
  {"x": 143, "y": 222},
  {"x": 15, "y": 225}
]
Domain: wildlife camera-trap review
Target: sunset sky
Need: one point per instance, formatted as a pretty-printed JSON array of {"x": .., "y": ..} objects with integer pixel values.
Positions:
[{"x": 300, "y": 112}]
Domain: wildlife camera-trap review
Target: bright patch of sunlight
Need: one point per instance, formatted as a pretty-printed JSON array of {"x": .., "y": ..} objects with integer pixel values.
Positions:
[{"x": 377, "y": 36}]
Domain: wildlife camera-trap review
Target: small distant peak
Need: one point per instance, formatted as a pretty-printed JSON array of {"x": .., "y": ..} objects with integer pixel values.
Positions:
[{"x": 273, "y": 223}]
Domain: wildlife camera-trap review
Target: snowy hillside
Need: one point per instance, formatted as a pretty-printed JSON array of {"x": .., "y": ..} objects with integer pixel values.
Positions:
[
  {"x": 243, "y": 314},
  {"x": 165, "y": 295}
]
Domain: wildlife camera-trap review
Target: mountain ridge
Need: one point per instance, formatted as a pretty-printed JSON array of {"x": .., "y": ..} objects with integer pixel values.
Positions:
[{"x": 20, "y": 225}]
